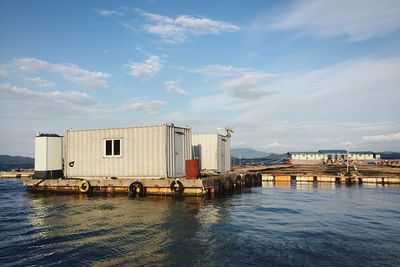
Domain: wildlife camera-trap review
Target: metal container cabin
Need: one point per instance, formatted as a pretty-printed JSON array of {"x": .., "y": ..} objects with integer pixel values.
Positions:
[
  {"x": 48, "y": 156},
  {"x": 135, "y": 152},
  {"x": 213, "y": 150}
]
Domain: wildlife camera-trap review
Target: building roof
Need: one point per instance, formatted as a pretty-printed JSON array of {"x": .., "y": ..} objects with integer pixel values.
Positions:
[
  {"x": 339, "y": 151},
  {"x": 47, "y": 135},
  {"x": 303, "y": 152},
  {"x": 362, "y": 152},
  {"x": 332, "y": 151}
]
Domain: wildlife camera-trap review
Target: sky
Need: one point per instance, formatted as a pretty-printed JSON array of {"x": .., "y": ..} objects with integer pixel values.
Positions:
[{"x": 286, "y": 75}]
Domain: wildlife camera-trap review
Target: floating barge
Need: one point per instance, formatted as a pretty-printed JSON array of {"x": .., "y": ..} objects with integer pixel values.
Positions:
[
  {"x": 153, "y": 160},
  {"x": 210, "y": 185},
  {"x": 331, "y": 174}
]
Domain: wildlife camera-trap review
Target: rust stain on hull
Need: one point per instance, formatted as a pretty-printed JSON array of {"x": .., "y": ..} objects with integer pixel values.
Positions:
[{"x": 216, "y": 184}]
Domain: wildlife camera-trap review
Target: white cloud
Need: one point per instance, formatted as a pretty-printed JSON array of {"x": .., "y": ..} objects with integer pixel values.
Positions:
[
  {"x": 325, "y": 107},
  {"x": 382, "y": 137},
  {"x": 40, "y": 82},
  {"x": 218, "y": 70},
  {"x": 150, "y": 67},
  {"x": 108, "y": 13},
  {"x": 249, "y": 85},
  {"x": 356, "y": 20},
  {"x": 69, "y": 72},
  {"x": 20, "y": 94},
  {"x": 177, "y": 30},
  {"x": 173, "y": 87},
  {"x": 274, "y": 145},
  {"x": 143, "y": 104},
  {"x": 65, "y": 104},
  {"x": 348, "y": 144},
  {"x": 3, "y": 71},
  {"x": 44, "y": 105}
]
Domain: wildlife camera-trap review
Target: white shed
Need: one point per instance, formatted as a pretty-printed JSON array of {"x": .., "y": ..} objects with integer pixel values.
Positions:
[
  {"x": 135, "y": 152},
  {"x": 213, "y": 150},
  {"x": 48, "y": 156}
]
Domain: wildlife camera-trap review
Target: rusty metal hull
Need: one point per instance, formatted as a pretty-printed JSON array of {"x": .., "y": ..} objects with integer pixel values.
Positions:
[{"x": 210, "y": 185}]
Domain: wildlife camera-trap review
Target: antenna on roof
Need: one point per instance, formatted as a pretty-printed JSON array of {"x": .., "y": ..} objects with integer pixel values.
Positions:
[{"x": 229, "y": 131}]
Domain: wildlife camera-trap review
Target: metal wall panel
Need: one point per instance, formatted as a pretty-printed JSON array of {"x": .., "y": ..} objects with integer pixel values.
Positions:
[
  {"x": 228, "y": 158},
  {"x": 142, "y": 153},
  {"x": 224, "y": 153},
  {"x": 171, "y": 153},
  {"x": 40, "y": 154},
  {"x": 215, "y": 151},
  {"x": 48, "y": 153},
  {"x": 209, "y": 150},
  {"x": 54, "y": 153},
  {"x": 145, "y": 152}
]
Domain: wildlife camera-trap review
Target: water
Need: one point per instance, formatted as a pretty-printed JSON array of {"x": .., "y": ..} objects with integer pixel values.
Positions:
[{"x": 269, "y": 226}]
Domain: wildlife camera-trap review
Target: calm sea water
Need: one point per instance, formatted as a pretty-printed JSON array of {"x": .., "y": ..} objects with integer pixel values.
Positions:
[{"x": 270, "y": 226}]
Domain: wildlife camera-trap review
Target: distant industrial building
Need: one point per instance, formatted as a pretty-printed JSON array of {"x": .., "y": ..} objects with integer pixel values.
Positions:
[{"x": 332, "y": 156}]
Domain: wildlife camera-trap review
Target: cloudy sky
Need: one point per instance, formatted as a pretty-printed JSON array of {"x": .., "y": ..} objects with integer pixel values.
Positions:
[{"x": 287, "y": 75}]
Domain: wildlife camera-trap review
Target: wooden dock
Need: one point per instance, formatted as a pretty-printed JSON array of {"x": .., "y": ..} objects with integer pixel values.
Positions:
[
  {"x": 16, "y": 174},
  {"x": 209, "y": 185},
  {"x": 331, "y": 174}
]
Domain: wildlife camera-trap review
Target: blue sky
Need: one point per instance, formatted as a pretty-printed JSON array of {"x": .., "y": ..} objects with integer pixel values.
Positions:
[{"x": 287, "y": 75}]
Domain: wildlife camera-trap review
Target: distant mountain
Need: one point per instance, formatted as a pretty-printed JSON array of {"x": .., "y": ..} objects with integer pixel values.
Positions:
[
  {"x": 8, "y": 163},
  {"x": 271, "y": 159},
  {"x": 248, "y": 153},
  {"x": 390, "y": 155}
]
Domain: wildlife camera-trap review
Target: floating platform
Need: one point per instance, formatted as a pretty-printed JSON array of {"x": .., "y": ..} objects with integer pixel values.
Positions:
[
  {"x": 16, "y": 174},
  {"x": 330, "y": 174},
  {"x": 209, "y": 185}
]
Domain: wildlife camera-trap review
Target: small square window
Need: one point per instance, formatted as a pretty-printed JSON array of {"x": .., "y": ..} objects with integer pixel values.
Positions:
[
  {"x": 108, "y": 147},
  {"x": 117, "y": 148},
  {"x": 112, "y": 147}
]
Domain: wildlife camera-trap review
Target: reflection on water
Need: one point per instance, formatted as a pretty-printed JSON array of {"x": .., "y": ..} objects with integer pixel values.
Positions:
[{"x": 278, "y": 224}]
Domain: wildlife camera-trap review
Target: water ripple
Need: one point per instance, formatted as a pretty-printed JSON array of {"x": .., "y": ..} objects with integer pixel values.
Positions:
[{"x": 270, "y": 226}]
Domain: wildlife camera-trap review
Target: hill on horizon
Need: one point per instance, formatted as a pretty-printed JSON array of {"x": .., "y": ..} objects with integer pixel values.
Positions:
[
  {"x": 248, "y": 153},
  {"x": 8, "y": 163}
]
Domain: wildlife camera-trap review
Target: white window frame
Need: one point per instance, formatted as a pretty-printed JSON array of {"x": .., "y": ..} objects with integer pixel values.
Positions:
[{"x": 112, "y": 147}]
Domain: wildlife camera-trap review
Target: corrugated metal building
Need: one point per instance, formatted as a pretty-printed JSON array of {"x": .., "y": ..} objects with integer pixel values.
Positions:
[
  {"x": 213, "y": 150},
  {"x": 48, "y": 156},
  {"x": 364, "y": 155},
  {"x": 142, "y": 152},
  {"x": 333, "y": 156}
]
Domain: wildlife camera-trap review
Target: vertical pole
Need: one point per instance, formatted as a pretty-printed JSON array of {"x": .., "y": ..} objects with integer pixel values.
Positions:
[{"x": 347, "y": 162}]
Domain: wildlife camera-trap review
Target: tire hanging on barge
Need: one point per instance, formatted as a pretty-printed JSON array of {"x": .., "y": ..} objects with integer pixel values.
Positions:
[
  {"x": 84, "y": 186},
  {"x": 136, "y": 189},
  {"x": 177, "y": 187}
]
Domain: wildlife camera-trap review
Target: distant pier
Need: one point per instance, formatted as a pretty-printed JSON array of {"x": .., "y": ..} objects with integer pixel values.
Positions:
[
  {"x": 16, "y": 174},
  {"x": 331, "y": 174}
]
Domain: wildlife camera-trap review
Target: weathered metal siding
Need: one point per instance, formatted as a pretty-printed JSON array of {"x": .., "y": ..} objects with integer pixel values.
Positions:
[
  {"x": 212, "y": 147},
  {"x": 209, "y": 150},
  {"x": 143, "y": 153},
  {"x": 224, "y": 153},
  {"x": 48, "y": 153},
  {"x": 171, "y": 153},
  {"x": 228, "y": 158}
]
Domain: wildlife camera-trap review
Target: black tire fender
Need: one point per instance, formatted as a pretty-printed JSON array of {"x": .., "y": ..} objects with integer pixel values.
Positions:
[
  {"x": 84, "y": 186},
  {"x": 177, "y": 187},
  {"x": 136, "y": 189}
]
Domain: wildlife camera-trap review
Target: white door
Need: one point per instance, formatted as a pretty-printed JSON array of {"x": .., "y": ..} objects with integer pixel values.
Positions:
[
  {"x": 223, "y": 158},
  {"x": 179, "y": 155}
]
